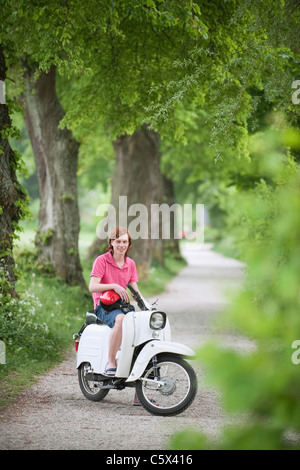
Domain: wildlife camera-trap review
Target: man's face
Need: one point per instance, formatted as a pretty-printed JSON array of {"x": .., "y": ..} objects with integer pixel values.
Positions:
[{"x": 120, "y": 245}]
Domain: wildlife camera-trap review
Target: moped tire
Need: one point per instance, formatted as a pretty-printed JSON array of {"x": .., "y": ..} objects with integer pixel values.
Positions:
[
  {"x": 177, "y": 392},
  {"x": 89, "y": 388}
]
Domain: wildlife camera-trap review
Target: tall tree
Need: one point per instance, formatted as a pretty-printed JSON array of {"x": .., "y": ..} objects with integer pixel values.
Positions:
[
  {"x": 113, "y": 36},
  {"x": 134, "y": 51},
  {"x": 55, "y": 150},
  {"x": 141, "y": 184},
  {"x": 56, "y": 154},
  {"x": 145, "y": 57},
  {"x": 134, "y": 188},
  {"x": 12, "y": 196}
]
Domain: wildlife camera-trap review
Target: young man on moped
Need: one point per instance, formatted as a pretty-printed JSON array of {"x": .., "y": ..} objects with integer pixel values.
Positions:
[
  {"x": 147, "y": 359},
  {"x": 112, "y": 271}
]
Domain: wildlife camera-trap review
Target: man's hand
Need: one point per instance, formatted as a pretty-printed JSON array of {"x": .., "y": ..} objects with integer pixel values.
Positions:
[{"x": 122, "y": 293}]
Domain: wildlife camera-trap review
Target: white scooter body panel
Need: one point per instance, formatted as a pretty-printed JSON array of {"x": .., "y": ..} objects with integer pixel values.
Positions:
[
  {"x": 93, "y": 347},
  {"x": 143, "y": 332},
  {"x": 152, "y": 349},
  {"x": 135, "y": 333}
]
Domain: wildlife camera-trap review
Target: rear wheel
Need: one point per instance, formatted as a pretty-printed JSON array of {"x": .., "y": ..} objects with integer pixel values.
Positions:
[
  {"x": 175, "y": 389},
  {"x": 90, "y": 388}
]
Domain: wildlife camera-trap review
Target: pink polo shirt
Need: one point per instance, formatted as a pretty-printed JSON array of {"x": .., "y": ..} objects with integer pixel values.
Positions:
[{"x": 109, "y": 272}]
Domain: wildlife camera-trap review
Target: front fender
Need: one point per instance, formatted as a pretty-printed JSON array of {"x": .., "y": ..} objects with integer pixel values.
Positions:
[{"x": 152, "y": 349}]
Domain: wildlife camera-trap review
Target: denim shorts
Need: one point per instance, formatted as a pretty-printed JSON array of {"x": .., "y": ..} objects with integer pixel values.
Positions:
[{"x": 107, "y": 317}]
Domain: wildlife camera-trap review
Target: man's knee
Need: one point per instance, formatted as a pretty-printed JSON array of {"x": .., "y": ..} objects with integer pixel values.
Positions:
[{"x": 119, "y": 320}]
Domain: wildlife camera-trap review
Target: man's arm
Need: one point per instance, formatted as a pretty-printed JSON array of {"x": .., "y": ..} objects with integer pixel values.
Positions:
[{"x": 96, "y": 286}]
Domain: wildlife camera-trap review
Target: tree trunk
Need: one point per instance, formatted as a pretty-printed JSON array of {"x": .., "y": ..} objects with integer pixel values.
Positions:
[
  {"x": 137, "y": 179},
  {"x": 172, "y": 244},
  {"x": 11, "y": 194},
  {"x": 137, "y": 176},
  {"x": 56, "y": 155}
]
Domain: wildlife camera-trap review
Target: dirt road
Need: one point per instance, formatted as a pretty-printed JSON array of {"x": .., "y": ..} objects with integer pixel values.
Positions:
[{"x": 53, "y": 414}]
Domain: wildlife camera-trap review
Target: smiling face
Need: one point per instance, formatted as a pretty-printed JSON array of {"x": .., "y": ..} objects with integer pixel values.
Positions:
[
  {"x": 119, "y": 241},
  {"x": 120, "y": 245}
]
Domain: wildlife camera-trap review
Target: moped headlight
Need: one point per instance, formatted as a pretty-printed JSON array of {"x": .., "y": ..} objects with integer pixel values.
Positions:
[{"x": 158, "y": 320}]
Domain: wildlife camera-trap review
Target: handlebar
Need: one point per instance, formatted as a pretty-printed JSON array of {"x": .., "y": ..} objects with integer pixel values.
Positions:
[
  {"x": 132, "y": 290},
  {"x": 142, "y": 303}
]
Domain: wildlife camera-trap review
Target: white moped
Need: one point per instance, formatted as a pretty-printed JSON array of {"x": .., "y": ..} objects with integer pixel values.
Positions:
[{"x": 148, "y": 360}]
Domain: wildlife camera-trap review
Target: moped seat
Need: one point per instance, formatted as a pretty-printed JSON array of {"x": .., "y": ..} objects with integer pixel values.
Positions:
[{"x": 91, "y": 318}]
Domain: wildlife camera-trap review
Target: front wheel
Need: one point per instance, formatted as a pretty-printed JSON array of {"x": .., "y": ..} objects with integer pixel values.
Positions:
[
  {"x": 90, "y": 388},
  {"x": 175, "y": 389}
]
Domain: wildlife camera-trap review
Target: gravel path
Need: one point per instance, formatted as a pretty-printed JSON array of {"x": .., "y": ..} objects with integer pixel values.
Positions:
[{"x": 53, "y": 413}]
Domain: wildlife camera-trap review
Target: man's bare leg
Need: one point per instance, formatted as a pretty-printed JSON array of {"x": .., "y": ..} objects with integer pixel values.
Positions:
[{"x": 115, "y": 340}]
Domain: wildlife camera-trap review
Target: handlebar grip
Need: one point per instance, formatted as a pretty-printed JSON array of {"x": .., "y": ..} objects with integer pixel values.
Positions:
[
  {"x": 133, "y": 291},
  {"x": 137, "y": 297}
]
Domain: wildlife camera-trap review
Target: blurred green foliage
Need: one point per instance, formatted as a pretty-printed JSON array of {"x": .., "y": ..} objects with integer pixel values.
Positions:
[{"x": 263, "y": 383}]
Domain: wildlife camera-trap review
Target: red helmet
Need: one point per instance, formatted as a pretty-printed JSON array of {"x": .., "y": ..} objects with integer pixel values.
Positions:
[
  {"x": 109, "y": 297},
  {"x": 110, "y": 300}
]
